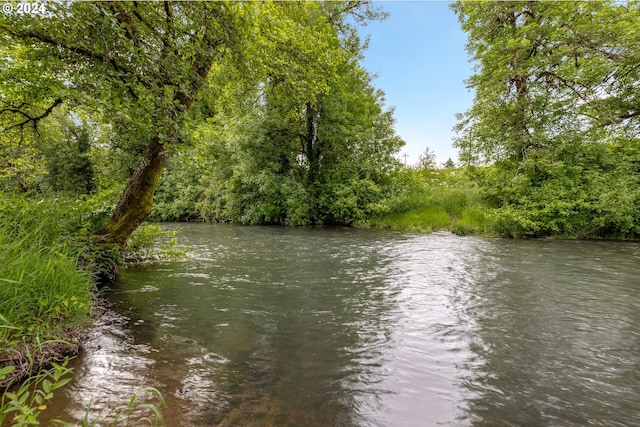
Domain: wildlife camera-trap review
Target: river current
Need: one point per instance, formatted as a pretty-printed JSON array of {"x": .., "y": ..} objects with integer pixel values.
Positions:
[{"x": 272, "y": 326}]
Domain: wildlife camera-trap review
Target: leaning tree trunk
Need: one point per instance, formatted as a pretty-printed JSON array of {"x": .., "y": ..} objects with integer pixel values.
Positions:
[{"x": 136, "y": 200}]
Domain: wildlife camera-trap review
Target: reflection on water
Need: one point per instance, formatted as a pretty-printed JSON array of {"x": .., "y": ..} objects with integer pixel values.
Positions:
[
  {"x": 558, "y": 335},
  {"x": 318, "y": 327}
]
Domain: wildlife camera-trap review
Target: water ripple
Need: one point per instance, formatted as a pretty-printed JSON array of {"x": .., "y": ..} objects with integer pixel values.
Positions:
[{"x": 316, "y": 327}]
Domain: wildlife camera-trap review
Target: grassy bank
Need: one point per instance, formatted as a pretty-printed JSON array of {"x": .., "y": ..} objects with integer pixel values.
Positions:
[
  {"x": 45, "y": 301},
  {"x": 495, "y": 201},
  {"x": 45, "y": 298},
  {"x": 429, "y": 200},
  {"x": 49, "y": 267}
]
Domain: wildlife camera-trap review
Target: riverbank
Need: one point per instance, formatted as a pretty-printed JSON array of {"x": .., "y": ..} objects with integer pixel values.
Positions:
[
  {"x": 48, "y": 280},
  {"x": 492, "y": 201},
  {"x": 330, "y": 325},
  {"x": 461, "y": 201},
  {"x": 28, "y": 358},
  {"x": 46, "y": 304},
  {"x": 47, "y": 297}
]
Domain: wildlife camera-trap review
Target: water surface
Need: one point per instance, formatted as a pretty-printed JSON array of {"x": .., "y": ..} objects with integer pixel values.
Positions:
[{"x": 280, "y": 326}]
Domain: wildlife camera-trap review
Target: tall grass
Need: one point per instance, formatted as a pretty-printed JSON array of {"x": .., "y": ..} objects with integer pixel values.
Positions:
[
  {"x": 47, "y": 263},
  {"x": 43, "y": 293},
  {"x": 427, "y": 200},
  {"x": 425, "y": 218},
  {"x": 48, "y": 260}
]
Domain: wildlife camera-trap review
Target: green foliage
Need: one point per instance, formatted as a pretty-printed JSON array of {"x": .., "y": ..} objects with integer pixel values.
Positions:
[
  {"x": 66, "y": 148},
  {"x": 136, "y": 69},
  {"x": 22, "y": 165},
  {"x": 43, "y": 292},
  {"x": 150, "y": 243},
  {"x": 179, "y": 191},
  {"x": 556, "y": 112},
  {"x": 136, "y": 413},
  {"x": 546, "y": 74},
  {"x": 45, "y": 296},
  {"x": 424, "y": 219},
  {"x": 352, "y": 202},
  {"x": 428, "y": 199},
  {"x": 285, "y": 159},
  {"x": 56, "y": 221},
  {"x": 427, "y": 160},
  {"x": 23, "y": 406},
  {"x": 590, "y": 191}
]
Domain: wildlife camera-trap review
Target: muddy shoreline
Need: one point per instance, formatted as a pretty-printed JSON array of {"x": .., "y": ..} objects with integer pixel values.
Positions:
[{"x": 30, "y": 358}]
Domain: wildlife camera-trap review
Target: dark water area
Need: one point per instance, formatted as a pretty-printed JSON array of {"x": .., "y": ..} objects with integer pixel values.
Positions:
[{"x": 271, "y": 326}]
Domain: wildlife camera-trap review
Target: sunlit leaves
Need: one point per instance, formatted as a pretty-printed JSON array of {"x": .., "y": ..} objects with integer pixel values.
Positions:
[
  {"x": 547, "y": 68},
  {"x": 557, "y": 112},
  {"x": 296, "y": 130}
]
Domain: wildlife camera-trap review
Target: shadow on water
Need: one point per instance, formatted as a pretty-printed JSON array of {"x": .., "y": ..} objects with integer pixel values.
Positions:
[{"x": 275, "y": 326}]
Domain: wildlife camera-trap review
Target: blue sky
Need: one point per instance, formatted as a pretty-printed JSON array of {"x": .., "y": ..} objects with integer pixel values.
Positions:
[{"x": 419, "y": 58}]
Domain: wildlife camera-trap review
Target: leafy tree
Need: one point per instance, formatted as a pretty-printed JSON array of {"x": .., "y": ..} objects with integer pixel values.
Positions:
[
  {"x": 556, "y": 101},
  {"x": 427, "y": 160},
  {"x": 548, "y": 74},
  {"x": 282, "y": 159},
  {"x": 449, "y": 164},
  {"x": 67, "y": 156},
  {"x": 21, "y": 163},
  {"x": 142, "y": 65},
  {"x": 275, "y": 151}
]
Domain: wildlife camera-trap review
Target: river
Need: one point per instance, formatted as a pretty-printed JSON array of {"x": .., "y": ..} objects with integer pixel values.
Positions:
[{"x": 272, "y": 326}]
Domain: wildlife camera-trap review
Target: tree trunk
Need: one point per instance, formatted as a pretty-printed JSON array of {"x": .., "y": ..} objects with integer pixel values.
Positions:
[
  {"x": 310, "y": 146},
  {"x": 136, "y": 200}
]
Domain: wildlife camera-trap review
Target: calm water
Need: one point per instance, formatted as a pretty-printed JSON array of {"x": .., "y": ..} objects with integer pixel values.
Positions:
[{"x": 270, "y": 326}]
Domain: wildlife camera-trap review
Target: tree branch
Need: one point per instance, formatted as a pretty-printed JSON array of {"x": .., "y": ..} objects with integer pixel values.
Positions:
[
  {"x": 29, "y": 119},
  {"x": 25, "y": 35},
  {"x": 629, "y": 115},
  {"x": 564, "y": 82},
  {"x": 124, "y": 17}
]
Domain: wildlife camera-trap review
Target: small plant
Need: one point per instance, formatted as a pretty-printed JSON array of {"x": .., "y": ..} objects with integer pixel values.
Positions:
[
  {"x": 23, "y": 406},
  {"x": 134, "y": 414},
  {"x": 150, "y": 243}
]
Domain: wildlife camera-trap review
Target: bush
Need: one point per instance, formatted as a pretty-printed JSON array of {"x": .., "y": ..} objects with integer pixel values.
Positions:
[
  {"x": 430, "y": 199},
  {"x": 591, "y": 198},
  {"x": 150, "y": 243}
]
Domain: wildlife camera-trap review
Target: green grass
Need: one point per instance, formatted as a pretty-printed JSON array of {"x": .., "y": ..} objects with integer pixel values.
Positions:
[
  {"x": 49, "y": 262},
  {"x": 421, "y": 219},
  {"x": 46, "y": 298},
  {"x": 431, "y": 200},
  {"x": 473, "y": 220},
  {"x": 43, "y": 292}
]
